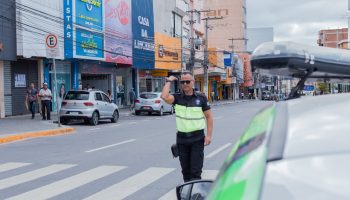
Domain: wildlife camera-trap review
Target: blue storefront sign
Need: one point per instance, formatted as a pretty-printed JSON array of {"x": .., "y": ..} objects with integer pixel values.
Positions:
[
  {"x": 227, "y": 59},
  {"x": 89, "y": 13},
  {"x": 143, "y": 34},
  {"x": 89, "y": 44},
  {"x": 68, "y": 28},
  {"x": 309, "y": 88}
]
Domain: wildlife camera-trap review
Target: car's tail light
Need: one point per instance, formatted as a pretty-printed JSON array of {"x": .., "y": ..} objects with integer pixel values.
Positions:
[
  {"x": 137, "y": 101},
  {"x": 63, "y": 103},
  {"x": 88, "y": 104},
  {"x": 157, "y": 101}
]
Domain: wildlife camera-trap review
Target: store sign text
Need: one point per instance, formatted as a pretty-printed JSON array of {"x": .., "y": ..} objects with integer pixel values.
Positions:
[
  {"x": 68, "y": 28},
  {"x": 165, "y": 53}
]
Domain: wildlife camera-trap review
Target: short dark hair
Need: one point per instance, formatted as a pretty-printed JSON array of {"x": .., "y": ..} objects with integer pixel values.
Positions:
[{"x": 186, "y": 73}]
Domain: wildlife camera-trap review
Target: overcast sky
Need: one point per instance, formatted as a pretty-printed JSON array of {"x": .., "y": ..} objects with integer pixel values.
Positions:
[{"x": 297, "y": 20}]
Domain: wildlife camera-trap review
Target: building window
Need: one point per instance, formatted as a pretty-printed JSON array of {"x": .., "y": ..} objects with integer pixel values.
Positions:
[
  {"x": 177, "y": 20},
  {"x": 197, "y": 47}
]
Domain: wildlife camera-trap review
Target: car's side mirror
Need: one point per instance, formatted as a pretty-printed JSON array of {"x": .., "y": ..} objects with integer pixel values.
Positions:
[{"x": 198, "y": 189}]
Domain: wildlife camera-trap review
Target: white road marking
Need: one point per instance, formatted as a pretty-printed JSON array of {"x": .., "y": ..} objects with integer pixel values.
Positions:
[
  {"x": 109, "y": 146},
  {"x": 212, "y": 154},
  {"x": 29, "y": 176},
  {"x": 68, "y": 184},
  {"x": 145, "y": 120},
  {"x": 132, "y": 123},
  {"x": 219, "y": 117},
  {"x": 238, "y": 112},
  {"x": 157, "y": 118},
  {"x": 131, "y": 184},
  {"x": 115, "y": 125},
  {"x": 12, "y": 165},
  {"x": 94, "y": 129},
  {"x": 207, "y": 174}
]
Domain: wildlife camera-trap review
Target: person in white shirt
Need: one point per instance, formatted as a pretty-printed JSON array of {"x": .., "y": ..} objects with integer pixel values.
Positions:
[{"x": 45, "y": 96}]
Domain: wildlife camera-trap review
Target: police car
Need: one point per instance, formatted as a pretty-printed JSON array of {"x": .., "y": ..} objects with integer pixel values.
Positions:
[{"x": 295, "y": 149}]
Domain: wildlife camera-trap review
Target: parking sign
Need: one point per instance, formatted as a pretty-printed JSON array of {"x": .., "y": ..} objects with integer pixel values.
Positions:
[{"x": 52, "y": 47}]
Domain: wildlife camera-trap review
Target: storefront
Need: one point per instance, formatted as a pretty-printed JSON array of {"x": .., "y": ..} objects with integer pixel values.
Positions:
[
  {"x": 167, "y": 61},
  {"x": 63, "y": 75},
  {"x": 152, "y": 80},
  {"x": 23, "y": 73},
  {"x": 143, "y": 52},
  {"x": 8, "y": 53}
]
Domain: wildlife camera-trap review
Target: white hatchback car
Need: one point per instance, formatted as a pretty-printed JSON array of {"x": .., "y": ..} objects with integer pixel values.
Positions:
[
  {"x": 151, "y": 102},
  {"x": 90, "y": 105}
]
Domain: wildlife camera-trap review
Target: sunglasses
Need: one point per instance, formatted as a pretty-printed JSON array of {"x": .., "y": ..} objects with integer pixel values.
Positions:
[{"x": 187, "y": 82}]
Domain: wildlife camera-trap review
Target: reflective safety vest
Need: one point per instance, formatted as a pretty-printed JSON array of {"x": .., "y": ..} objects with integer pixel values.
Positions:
[{"x": 189, "y": 119}]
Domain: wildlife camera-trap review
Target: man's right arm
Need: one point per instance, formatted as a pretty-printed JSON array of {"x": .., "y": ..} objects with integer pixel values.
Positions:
[{"x": 166, "y": 96}]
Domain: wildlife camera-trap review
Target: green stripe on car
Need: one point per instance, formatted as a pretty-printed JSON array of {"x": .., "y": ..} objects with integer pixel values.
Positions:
[{"x": 243, "y": 171}]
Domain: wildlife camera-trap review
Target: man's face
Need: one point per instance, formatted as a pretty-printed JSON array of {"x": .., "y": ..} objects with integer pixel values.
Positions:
[
  {"x": 32, "y": 85},
  {"x": 45, "y": 86},
  {"x": 187, "y": 82}
]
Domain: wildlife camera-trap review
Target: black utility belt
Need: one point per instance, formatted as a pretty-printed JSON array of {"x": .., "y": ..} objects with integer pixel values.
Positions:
[{"x": 191, "y": 134}]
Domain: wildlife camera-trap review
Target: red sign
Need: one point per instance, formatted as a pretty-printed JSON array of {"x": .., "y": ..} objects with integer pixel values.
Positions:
[{"x": 51, "y": 41}]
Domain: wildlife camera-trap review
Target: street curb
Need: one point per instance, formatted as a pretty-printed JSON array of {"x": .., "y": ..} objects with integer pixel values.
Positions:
[{"x": 22, "y": 136}]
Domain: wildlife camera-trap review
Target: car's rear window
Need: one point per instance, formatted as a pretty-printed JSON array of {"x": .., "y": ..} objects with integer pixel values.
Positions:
[
  {"x": 77, "y": 95},
  {"x": 148, "y": 96}
]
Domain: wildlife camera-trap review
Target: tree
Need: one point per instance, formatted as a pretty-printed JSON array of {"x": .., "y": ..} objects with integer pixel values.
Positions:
[{"x": 323, "y": 87}]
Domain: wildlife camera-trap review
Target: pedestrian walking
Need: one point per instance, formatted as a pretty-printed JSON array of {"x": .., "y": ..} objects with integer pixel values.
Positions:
[
  {"x": 212, "y": 95},
  {"x": 193, "y": 115},
  {"x": 110, "y": 96},
  {"x": 132, "y": 98},
  {"x": 45, "y": 96},
  {"x": 32, "y": 99},
  {"x": 61, "y": 95}
]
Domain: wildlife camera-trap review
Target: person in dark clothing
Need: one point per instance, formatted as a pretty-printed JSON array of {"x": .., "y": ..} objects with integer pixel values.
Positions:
[
  {"x": 193, "y": 115},
  {"x": 46, "y": 96},
  {"x": 32, "y": 99}
]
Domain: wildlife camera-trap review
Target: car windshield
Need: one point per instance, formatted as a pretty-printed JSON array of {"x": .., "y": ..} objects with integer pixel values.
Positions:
[
  {"x": 77, "y": 95},
  {"x": 148, "y": 96}
]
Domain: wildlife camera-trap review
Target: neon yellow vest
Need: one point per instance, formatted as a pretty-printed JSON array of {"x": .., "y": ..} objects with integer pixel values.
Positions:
[{"x": 189, "y": 119}]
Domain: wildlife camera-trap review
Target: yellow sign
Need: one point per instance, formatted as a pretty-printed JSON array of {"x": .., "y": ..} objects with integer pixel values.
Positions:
[
  {"x": 160, "y": 73},
  {"x": 167, "y": 52}
]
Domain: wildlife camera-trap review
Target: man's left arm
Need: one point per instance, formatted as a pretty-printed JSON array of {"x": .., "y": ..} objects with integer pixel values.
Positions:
[{"x": 209, "y": 117}]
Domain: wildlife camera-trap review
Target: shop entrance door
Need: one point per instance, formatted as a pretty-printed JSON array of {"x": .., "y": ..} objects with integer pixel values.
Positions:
[{"x": 100, "y": 82}]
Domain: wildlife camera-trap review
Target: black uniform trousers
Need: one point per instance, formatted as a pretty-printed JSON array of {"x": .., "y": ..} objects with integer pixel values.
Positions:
[
  {"x": 191, "y": 157},
  {"x": 46, "y": 105}
]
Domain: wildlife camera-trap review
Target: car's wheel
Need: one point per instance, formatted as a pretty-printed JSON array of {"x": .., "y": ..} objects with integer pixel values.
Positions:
[
  {"x": 94, "y": 119},
  {"x": 172, "y": 110},
  {"x": 149, "y": 113},
  {"x": 161, "y": 111},
  {"x": 137, "y": 112},
  {"x": 64, "y": 121},
  {"x": 115, "y": 117}
]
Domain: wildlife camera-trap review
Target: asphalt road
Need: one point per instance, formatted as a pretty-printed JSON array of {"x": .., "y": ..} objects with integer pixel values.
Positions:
[{"x": 127, "y": 160}]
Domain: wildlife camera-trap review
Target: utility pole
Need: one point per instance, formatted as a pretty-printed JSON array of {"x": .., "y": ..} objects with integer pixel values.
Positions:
[
  {"x": 190, "y": 65},
  {"x": 234, "y": 69},
  {"x": 206, "y": 53},
  {"x": 234, "y": 72},
  {"x": 192, "y": 55}
]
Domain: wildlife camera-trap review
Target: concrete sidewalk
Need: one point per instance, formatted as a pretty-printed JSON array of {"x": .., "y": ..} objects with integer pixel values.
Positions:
[{"x": 23, "y": 127}]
